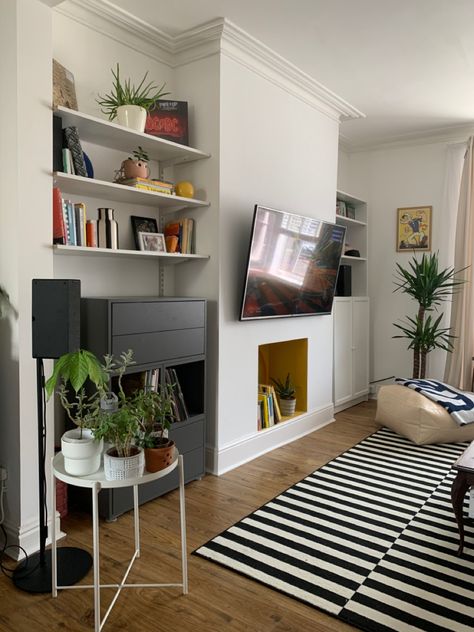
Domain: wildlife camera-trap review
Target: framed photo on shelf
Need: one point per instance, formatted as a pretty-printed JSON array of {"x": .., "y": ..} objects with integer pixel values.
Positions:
[
  {"x": 142, "y": 225},
  {"x": 154, "y": 242},
  {"x": 414, "y": 228}
]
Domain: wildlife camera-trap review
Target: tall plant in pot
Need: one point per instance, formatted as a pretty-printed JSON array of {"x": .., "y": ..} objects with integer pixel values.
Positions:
[
  {"x": 286, "y": 392},
  {"x": 81, "y": 451},
  {"x": 128, "y": 103}
]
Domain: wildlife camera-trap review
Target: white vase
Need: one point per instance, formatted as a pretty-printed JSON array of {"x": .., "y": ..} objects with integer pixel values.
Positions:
[
  {"x": 131, "y": 116},
  {"x": 118, "y": 468},
  {"x": 81, "y": 456}
]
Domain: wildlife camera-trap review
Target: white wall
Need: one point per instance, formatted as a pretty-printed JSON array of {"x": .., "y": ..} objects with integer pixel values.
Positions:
[
  {"x": 388, "y": 179},
  {"x": 278, "y": 151}
]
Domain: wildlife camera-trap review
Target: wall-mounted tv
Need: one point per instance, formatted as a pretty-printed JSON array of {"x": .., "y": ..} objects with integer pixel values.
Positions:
[{"x": 292, "y": 265}]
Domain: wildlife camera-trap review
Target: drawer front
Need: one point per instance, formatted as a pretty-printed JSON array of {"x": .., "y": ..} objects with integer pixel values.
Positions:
[
  {"x": 142, "y": 317},
  {"x": 188, "y": 437},
  {"x": 159, "y": 346}
]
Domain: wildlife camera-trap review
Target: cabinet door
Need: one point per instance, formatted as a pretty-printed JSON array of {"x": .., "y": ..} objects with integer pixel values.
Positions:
[
  {"x": 360, "y": 344},
  {"x": 342, "y": 350}
]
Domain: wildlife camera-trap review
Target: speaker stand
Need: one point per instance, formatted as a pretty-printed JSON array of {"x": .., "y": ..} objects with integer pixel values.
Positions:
[{"x": 73, "y": 564}]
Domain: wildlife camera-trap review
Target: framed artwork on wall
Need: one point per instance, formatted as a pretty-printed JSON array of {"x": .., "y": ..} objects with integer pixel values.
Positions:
[{"x": 414, "y": 228}]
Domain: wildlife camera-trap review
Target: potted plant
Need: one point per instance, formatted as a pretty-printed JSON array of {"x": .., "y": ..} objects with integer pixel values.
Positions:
[
  {"x": 81, "y": 451},
  {"x": 157, "y": 409},
  {"x": 118, "y": 423},
  {"x": 136, "y": 165},
  {"x": 429, "y": 286},
  {"x": 286, "y": 392},
  {"x": 130, "y": 104}
]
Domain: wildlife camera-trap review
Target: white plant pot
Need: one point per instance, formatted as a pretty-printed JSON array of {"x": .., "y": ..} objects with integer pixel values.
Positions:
[
  {"x": 81, "y": 456},
  {"x": 131, "y": 116},
  {"x": 118, "y": 468}
]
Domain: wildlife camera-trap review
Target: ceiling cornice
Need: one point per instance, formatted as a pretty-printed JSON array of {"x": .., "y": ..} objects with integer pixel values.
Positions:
[{"x": 219, "y": 35}]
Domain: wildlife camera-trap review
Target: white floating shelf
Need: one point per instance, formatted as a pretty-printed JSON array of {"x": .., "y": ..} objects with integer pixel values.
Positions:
[
  {"x": 166, "y": 258},
  {"x": 340, "y": 219},
  {"x": 78, "y": 185},
  {"x": 346, "y": 197},
  {"x": 353, "y": 258},
  {"x": 107, "y": 134}
]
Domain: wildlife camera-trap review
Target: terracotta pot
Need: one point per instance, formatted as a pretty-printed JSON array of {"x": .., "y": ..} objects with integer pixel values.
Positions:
[
  {"x": 157, "y": 459},
  {"x": 135, "y": 168}
]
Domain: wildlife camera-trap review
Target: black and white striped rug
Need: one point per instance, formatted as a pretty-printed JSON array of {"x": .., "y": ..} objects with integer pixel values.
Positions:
[{"x": 370, "y": 538}]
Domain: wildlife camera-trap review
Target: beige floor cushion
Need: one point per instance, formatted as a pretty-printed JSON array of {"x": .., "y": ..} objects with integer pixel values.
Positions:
[{"x": 418, "y": 418}]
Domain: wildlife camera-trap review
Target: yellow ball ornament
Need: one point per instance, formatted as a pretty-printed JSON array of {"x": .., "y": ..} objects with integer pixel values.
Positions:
[{"x": 184, "y": 189}]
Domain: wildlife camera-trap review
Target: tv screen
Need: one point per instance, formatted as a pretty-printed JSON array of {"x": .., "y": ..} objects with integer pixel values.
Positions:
[{"x": 292, "y": 265}]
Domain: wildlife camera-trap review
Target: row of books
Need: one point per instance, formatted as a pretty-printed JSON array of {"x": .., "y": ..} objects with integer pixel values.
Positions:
[
  {"x": 183, "y": 230},
  {"x": 344, "y": 210},
  {"x": 152, "y": 380},
  {"x": 147, "y": 184},
  {"x": 70, "y": 224},
  {"x": 268, "y": 409}
]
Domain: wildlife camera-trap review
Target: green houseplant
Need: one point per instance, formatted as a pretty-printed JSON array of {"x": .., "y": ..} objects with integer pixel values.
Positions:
[
  {"x": 73, "y": 371},
  {"x": 286, "y": 392},
  {"x": 135, "y": 166},
  {"x": 128, "y": 103},
  {"x": 429, "y": 286},
  {"x": 158, "y": 414}
]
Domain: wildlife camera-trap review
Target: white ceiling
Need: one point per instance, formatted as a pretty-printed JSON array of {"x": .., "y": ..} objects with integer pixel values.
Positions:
[{"x": 407, "y": 64}]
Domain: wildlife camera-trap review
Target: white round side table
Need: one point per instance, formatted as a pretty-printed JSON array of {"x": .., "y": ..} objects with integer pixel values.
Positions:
[{"x": 95, "y": 482}]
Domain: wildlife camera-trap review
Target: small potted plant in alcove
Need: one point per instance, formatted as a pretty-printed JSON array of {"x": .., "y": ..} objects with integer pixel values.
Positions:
[
  {"x": 286, "y": 392},
  {"x": 158, "y": 414},
  {"x": 81, "y": 451},
  {"x": 129, "y": 104}
]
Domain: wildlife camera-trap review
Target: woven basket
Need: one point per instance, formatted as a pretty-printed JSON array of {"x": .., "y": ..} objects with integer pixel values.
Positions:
[{"x": 118, "y": 468}]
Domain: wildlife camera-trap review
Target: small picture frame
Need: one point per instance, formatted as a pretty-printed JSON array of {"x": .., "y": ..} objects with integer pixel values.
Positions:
[
  {"x": 153, "y": 242},
  {"x": 142, "y": 225},
  {"x": 414, "y": 228}
]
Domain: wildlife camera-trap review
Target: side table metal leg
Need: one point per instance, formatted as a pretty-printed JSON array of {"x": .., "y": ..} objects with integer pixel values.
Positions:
[
  {"x": 182, "y": 516},
  {"x": 136, "y": 520},
  {"x": 458, "y": 491},
  {"x": 95, "y": 537},
  {"x": 54, "y": 563}
]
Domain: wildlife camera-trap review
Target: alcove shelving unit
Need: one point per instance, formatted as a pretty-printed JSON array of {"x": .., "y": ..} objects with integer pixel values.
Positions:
[{"x": 109, "y": 135}]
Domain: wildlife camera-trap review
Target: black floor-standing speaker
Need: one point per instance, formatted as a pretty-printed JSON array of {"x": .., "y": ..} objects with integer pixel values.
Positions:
[{"x": 55, "y": 331}]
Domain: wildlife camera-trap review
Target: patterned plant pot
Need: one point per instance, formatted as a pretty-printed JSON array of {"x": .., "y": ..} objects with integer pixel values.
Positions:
[
  {"x": 287, "y": 407},
  {"x": 157, "y": 459}
]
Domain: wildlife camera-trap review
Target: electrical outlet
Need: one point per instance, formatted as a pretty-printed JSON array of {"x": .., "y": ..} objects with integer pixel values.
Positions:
[{"x": 3, "y": 473}]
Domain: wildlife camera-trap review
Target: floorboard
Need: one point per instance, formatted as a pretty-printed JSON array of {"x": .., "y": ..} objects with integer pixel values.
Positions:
[{"x": 218, "y": 598}]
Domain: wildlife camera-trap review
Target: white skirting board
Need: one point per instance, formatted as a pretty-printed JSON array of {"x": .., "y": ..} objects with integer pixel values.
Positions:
[
  {"x": 232, "y": 455},
  {"x": 27, "y": 537}
]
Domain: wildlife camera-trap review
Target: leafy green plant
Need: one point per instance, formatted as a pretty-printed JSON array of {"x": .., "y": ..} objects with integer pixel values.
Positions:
[
  {"x": 125, "y": 93},
  {"x": 157, "y": 417},
  {"x": 286, "y": 389},
  {"x": 429, "y": 286},
  {"x": 139, "y": 154},
  {"x": 74, "y": 369}
]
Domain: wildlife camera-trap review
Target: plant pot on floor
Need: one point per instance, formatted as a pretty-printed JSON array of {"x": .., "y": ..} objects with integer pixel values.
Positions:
[
  {"x": 287, "y": 407},
  {"x": 120, "y": 468},
  {"x": 160, "y": 457},
  {"x": 81, "y": 455},
  {"x": 132, "y": 116}
]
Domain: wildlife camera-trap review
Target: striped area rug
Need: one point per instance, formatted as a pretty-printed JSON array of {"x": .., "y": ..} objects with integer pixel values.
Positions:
[{"x": 370, "y": 538}]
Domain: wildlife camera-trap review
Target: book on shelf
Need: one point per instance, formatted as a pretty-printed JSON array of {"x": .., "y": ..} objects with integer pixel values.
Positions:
[
  {"x": 184, "y": 231},
  {"x": 180, "y": 397},
  {"x": 146, "y": 184},
  {"x": 59, "y": 227},
  {"x": 68, "y": 165},
  {"x": 341, "y": 208},
  {"x": 268, "y": 395},
  {"x": 72, "y": 142},
  {"x": 80, "y": 223},
  {"x": 178, "y": 414}
]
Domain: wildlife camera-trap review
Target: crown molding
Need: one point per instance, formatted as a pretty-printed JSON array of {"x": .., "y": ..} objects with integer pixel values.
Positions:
[
  {"x": 447, "y": 134},
  {"x": 217, "y": 36}
]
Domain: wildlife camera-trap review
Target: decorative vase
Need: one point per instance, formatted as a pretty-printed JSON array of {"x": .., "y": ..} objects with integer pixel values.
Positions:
[
  {"x": 131, "y": 116},
  {"x": 120, "y": 468},
  {"x": 158, "y": 458},
  {"x": 81, "y": 456},
  {"x": 184, "y": 189},
  {"x": 107, "y": 229},
  {"x": 287, "y": 407},
  {"x": 135, "y": 168}
]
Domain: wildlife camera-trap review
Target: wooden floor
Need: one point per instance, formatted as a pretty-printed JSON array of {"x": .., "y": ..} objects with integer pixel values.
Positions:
[{"x": 219, "y": 599}]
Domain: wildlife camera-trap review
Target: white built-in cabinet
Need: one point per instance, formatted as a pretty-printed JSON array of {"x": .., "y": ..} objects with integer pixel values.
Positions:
[{"x": 351, "y": 313}]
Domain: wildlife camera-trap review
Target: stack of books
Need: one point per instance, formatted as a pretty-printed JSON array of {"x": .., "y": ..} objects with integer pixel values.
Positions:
[
  {"x": 268, "y": 409},
  {"x": 69, "y": 222},
  {"x": 147, "y": 184},
  {"x": 184, "y": 231}
]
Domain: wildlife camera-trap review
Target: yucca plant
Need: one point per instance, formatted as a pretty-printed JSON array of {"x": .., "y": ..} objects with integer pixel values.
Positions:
[
  {"x": 429, "y": 286},
  {"x": 286, "y": 389},
  {"x": 125, "y": 93}
]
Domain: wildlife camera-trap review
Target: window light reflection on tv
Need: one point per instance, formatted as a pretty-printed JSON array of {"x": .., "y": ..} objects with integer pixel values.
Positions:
[{"x": 292, "y": 265}]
